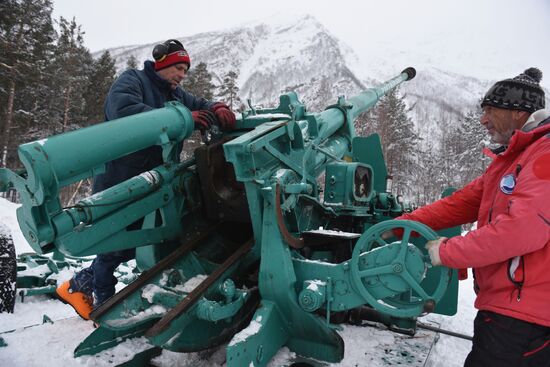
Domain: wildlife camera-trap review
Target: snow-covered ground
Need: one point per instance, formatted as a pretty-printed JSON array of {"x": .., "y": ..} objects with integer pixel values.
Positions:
[{"x": 35, "y": 343}]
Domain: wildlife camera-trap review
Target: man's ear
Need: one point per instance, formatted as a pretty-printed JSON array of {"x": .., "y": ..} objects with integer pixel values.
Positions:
[{"x": 521, "y": 116}]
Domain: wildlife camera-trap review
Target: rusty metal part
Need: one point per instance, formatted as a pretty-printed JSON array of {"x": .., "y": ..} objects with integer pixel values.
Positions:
[
  {"x": 294, "y": 242},
  {"x": 223, "y": 196},
  {"x": 147, "y": 275},
  {"x": 197, "y": 293}
]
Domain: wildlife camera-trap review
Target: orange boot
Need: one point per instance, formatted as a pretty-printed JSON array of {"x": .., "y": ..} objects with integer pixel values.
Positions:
[{"x": 81, "y": 302}]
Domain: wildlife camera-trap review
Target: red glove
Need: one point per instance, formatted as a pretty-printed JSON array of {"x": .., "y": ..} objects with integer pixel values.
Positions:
[
  {"x": 226, "y": 118},
  {"x": 203, "y": 119}
]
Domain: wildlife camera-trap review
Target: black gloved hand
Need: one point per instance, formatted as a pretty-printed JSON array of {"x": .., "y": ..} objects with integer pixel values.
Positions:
[
  {"x": 203, "y": 119},
  {"x": 226, "y": 118}
]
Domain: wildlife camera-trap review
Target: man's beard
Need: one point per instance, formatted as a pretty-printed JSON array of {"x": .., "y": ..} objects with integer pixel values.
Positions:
[{"x": 501, "y": 138}]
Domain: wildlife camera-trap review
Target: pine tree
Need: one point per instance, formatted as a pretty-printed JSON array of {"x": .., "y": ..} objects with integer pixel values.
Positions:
[
  {"x": 428, "y": 179},
  {"x": 450, "y": 144},
  {"x": 400, "y": 142},
  {"x": 229, "y": 90},
  {"x": 365, "y": 123},
  {"x": 131, "y": 63},
  {"x": 73, "y": 64},
  {"x": 100, "y": 80},
  {"x": 456, "y": 160},
  {"x": 199, "y": 82},
  {"x": 471, "y": 161},
  {"x": 26, "y": 39},
  {"x": 75, "y": 70}
]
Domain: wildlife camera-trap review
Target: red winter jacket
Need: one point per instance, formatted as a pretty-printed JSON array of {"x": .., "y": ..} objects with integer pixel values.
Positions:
[{"x": 510, "y": 250}]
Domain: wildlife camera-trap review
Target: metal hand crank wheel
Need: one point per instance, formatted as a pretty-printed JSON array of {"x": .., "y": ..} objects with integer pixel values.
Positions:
[{"x": 372, "y": 238}]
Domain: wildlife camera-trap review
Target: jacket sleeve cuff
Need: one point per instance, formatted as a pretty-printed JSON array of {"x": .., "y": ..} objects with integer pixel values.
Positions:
[{"x": 443, "y": 256}]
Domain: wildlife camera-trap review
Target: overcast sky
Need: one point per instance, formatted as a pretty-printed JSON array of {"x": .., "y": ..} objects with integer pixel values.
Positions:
[{"x": 511, "y": 32}]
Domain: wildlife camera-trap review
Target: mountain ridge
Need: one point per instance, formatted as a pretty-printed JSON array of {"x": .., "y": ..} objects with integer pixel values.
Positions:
[{"x": 300, "y": 54}]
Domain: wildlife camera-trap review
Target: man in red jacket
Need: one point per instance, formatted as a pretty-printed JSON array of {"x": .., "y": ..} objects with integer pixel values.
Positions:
[{"x": 510, "y": 249}]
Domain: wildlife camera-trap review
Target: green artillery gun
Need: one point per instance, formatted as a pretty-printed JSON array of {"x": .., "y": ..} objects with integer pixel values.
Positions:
[{"x": 266, "y": 238}]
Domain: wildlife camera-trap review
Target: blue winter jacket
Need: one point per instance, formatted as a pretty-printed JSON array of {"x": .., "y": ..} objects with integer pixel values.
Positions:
[{"x": 137, "y": 91}]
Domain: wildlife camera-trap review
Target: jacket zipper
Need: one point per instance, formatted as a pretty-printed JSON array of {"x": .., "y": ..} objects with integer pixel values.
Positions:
[{"x": 518, "y": 285}]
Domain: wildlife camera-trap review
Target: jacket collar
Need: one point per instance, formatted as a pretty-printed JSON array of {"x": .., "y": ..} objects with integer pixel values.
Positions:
[
  {"x": 536, "y": 119},
  {"x": 521, "y": 139}
]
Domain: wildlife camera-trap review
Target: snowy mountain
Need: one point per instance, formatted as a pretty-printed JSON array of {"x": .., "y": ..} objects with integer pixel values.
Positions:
[{"x": 300, "y": 54}]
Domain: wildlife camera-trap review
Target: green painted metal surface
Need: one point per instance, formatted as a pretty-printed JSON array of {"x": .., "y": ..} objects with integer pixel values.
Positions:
[
  {"x": 37, "y": 274},
  {"x": 142, "y": 359},
  {"x": 244, "y": 243},
  {"x": 368, "y": 150},
  {"x": 448, "y": 305}
]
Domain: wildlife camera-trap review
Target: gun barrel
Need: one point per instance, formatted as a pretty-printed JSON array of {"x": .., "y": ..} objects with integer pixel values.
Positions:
[
  {"x": 49, "y": 160},
  {"x": 333, "y": 118},
  {"x": 367, "y": 99}
]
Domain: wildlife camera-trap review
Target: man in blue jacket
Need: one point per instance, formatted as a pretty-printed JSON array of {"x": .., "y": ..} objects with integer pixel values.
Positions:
[{"x": 137, "y": 91}]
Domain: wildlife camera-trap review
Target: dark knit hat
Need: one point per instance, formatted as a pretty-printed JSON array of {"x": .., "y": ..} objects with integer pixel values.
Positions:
[
  {"x": 520, "y": 93},
  {"x": 170, "y": 52}
]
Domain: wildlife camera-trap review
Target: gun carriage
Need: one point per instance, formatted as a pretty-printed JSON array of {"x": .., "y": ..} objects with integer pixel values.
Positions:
[{"x": 267, "y": 237}]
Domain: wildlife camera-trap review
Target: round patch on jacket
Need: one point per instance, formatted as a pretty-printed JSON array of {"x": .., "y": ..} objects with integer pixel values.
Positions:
[{"x": 507, "y": 184}]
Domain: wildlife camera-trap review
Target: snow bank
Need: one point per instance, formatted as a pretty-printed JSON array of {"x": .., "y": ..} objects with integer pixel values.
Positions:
[{"x": 8, "y": 218}]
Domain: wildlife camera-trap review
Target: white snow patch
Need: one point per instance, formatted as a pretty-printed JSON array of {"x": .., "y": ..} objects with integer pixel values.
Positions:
[
  {"x": 149, "y": 291},
  {"x": 280, "y": 173},
  {"x": 150, "y": 312},
  {"x": 192, "y": 283},
  {"x": 315, "y": 262},
  {"x": 250, "y": 330},
  {"x": 37, "y": 271},
  {"x": 117, "y": 355},
  {"x": 333, "y": 233},
  {"x": 315, "y": 284},
  {"x": 268, "y": 116},
  {"x": 9, "y": 219}
]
